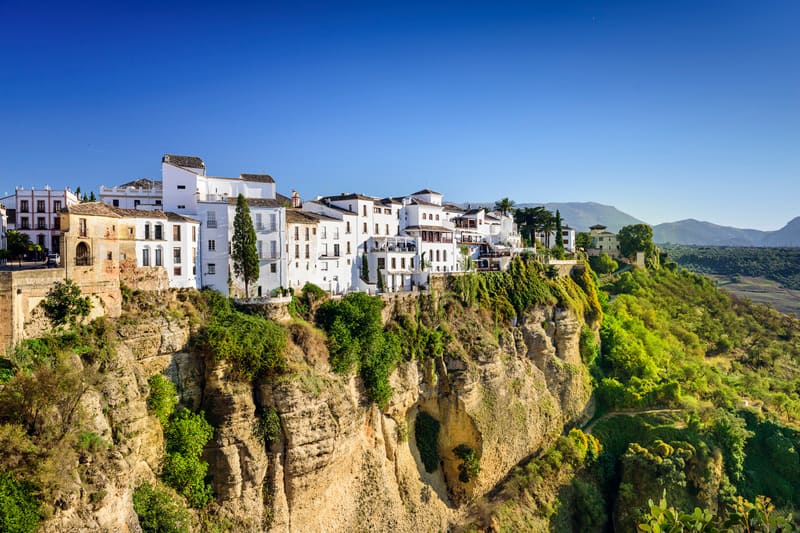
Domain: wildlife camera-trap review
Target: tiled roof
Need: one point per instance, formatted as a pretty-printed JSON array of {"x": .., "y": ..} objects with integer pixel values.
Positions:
[
  {"x": 426, "y": 191},
  {"x": 185, "y": 161},
  {"x": 473, "y": 212},
  {"x": 143, "y": 183},
  {"x": 177, "y": 217},
  {"x": 293, "y": 216},
  {"x": 417, "y": 201},
  {"x": 597, "y": 226},
  {"x": 105, "y": 210},
  {"x": 283, "y": 198},
  {"x": 348, "y": 196},
  {"x": 258, "y": 178},
  {"x": 454, "y": 207}
]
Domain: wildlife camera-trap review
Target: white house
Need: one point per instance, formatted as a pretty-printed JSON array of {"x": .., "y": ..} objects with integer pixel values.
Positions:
[
  {"x": 338, "y": 245},
  {"x": 37, "y": 214},
  {"x": 568, "y": 235},
  {"x": 212, "y": 200},
  {"x": 168, "y": 240},
  {"x": 3, "y": 227},
  {"x": 142, "y": 193},
  {"x": 424, "y": 218}
]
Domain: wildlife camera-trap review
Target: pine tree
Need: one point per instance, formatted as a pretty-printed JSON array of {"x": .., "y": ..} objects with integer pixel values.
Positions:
[{"x": 245, "y": 254}]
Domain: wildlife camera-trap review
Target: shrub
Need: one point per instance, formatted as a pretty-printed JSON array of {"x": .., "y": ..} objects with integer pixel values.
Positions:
[
  {"x": 426, "y": 433},
  {"x": 603, "y": 264},
  {"x": 183, "y": 469},
  {"x": 65, "y": 305},
  {"x": 91, "y": 441},
  {"x": 19, "y": 510},
  {"x": 470, "y": 466},
  {"x": 269, "y": 426},
  {"x": 160, "y": 510},
  {"x": 162, "y": 398}
]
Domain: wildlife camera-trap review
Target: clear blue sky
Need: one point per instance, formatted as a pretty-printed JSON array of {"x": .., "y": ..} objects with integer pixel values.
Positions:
[{"x": 667, "y": 110}]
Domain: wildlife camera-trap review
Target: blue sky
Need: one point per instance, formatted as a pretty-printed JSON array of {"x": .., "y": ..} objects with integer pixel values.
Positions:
[{"x": 667, "y": 110}]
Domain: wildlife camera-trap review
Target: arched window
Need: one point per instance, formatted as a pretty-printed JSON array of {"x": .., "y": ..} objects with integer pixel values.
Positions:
[
  {"x": 424, "y": 216},
  {"x": 83, "y": 256}
]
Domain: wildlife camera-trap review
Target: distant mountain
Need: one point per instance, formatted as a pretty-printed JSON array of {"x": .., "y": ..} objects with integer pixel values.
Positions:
[
  {"x": 697, "y": 232},
  {"x": 582, "y": 215}
]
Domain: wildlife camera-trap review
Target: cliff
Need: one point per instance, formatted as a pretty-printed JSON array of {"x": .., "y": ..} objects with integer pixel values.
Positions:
[{"x": 340, "y": 463}]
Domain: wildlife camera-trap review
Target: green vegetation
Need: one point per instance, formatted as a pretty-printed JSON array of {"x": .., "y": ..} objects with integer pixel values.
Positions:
[
  {"x": 426, "y": 435},
  {"x": 183, "y": 469},
  {"x": 65, "y": 305},
  {"x": 162, "y": 398},
  {"x": 636, "y": 238},
  {"x": 19, "y": 510},
  {"x": 470, "y": 467},
  {"x": 603, "y": 264},
  {"x": 778, "y": 264},
  {"x": 243, "y": 250},
  {"x": 357, "y": 341},
  {"x": 306, "y": 303},
  {"x": 160, "y": 510},
  {"x": 253, "y": 345},
  {"x": 269, "y": 426}
]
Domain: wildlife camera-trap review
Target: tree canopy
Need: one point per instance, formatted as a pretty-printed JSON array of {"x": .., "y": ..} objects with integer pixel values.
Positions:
[
  {"x": 504, "y": 205},
  {"x": 635, "y": 238},
  {"x": 245, "y": 253}
]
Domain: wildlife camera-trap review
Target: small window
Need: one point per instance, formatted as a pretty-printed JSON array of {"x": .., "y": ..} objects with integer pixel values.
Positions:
[
  {"x": 212, "y": 245},
  {"x": 176, "y": 271},
  {"x": 176, "y": 232},
  {"x": 181, "y": 207},
  {"x": 273, "y": 268},
  {"x": 212, "y": 268},
  {"x": 176, "y": 256},
  {"x": 181, "y": 187},
  {"x": 159, "y": 260},
  {"x": 116, "y": 203},
  {"x": 136, "y": 203},
  {"x": 365, "y": 210},
  {"x": 377, "y": 229},
  {"x": 194, "y": 233},
  {"x": 365, "y": 227},
  {"x": 110, "y": 256},
  {"x": 211, "y": 219},
  {"x": 57, "y": 205}
]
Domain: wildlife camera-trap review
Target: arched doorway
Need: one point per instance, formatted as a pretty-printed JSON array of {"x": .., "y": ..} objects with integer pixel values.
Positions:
[{"x": 83, "y": 256}]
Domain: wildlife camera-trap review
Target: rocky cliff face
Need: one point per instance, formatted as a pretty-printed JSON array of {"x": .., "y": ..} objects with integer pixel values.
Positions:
[{"x": 342, "y": 464}]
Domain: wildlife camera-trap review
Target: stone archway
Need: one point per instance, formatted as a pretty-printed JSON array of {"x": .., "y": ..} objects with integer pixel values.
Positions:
[{"x": 83, "y": 255}]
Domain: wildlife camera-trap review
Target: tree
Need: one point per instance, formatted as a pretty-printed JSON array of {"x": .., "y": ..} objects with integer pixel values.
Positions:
[
  {"x": 583, "y": 240},
  {"x": 635, "y": 238},
  {"x": 533, "y": 219},
  {"x": 245, "y": 254},
  {"x": 64, "y": 303},
  {"x": 18, "y": 244},
  {"x": 559, "y": 246},
  {"x": 603, "y": 264},
  {"x": 92, "y": 197},
  {"x": 504, "y": 205}
]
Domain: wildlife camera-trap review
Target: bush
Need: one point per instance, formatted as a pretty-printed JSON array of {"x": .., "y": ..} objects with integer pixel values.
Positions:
[
  {"x": 470, "y": 466},
  {"x": 183, "y": 469},
  {"x": 426, "y": 433},
  {"x": 19, "y": 510},
  {"x": 160, "y": 510},
  {"x": 65, "y": 305},
  {"x": 162, "y": 398},
  {"x": 269, "y": 426},
  {"x": 603, "y": 264}
]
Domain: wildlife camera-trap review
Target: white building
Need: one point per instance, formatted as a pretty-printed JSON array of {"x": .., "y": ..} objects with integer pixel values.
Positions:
[
  {"x": 338, "y": 245},
  {"x": 3, "y": 227},
  {"x": 37, "y": 214},
  {"x": 568, "y": 235},
  {"x": 168, "y": 240},
  {"x": 187, "y": 190},
  {"x": 137, "y": 194}
]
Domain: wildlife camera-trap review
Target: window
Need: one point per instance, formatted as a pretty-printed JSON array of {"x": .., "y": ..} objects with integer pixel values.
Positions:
[
  {"x": 308, "y": 233},
  {"x": 158, "y": 202},
  {"x": 176, "y": 256},
  {"x": 259, "y": 222},
  {"x": 444, "y": 255},
  {"x": 402, "y": 262},
  {"x": 81, "y": 227},
  {"x": 365, "y": 210},
  {"x": 23, "y": 206},
  {"x": 273, "y": 249},
  {"x": 437, "y": 217},
  {"x": 176, "y": 271},
  {"x": 387, "y": 229},
  {"x": 146, "y": 257},
  {"x": 376, "y": 210},
  {"x": 273, "y": 222},
  {"x": 194, "y": 233},
  {"x": 365, "y": 227},
  {"x": 116, "y": 203},
  {"x": 347, "y": 228},
  {"x": 260, "y": 250},
  {"x": 297, "y": 233},
  {"x": 308, "y": 252},
  {"x": 377, "y": 229},
  {"x": 336, "y": 250},
  {"x": 211, "y": 219},
  {"x": 159, "y": 259},
  {"x": 57, "y": 205},
  {"x": 336, "y": 234},
  {"x": 23, "y": 223},
  {"x": 411, "y": 262},
  {"x": 212, "y": 268},
  {"x": 40, "y": 223},
  {"x": 296, "y": 251},
  {"x": 147, "y": 231},
  {"x": 437, "y": 255},
  {"x": 159, "y": 232},
  {"x": 324, "y": 249},
  {"x": 273, "y": 268},
  {"x": 349, "y": 207},
  {"x": 40, "y": 240},
  {"x": 212, "y": 245},
  {"x": 381, "y": 263},
  {"x": 394, "y": 263},
  {"x": 136, "y": 203},
  {"x": 348, "y": 247},
  {"x": 176, "y": 232},
  {"x": 40, "y": 206},
  {"x": 181, "y": 207},
  {"x": 181, "y": 187},
  {"x": 424, "y": 216},
  {"x": 56, "y": 243},
  {"x": 110, "y": 256}
]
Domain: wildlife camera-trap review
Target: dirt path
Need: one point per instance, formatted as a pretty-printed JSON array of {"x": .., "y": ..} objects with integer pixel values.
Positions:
[{"x": 628, "y": 412}]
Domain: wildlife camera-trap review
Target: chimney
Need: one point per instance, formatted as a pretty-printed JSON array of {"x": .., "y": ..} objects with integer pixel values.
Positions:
[{"x": 296, "y": 203}]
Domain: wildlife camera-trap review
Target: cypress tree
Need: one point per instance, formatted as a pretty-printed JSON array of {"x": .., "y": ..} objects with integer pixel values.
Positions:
[{"x": 245, "y": 253}]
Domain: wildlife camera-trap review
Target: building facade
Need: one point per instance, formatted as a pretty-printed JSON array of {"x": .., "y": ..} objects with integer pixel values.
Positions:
[
  {"x": 603, "y": 241},
  {"x": 145, "y": 194},
  {"x": 38, "y": 214}
]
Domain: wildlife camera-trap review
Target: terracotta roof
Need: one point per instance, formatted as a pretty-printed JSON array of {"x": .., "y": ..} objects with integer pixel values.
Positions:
[
  {"x": 293, "y": 216},
  {"x": 259, "y": 178},
  {"x": 426, "y": 191},
  {"x": 454, "y": 207},
  {"x": 334, "y": 207},
  {"x": 105, "y": 210},
  {"x": 473, "y": 211},
  {"x": 177, "y": 217},
  {"x": 348, "y": 196},
  {"x": 143, "y": 183},
  {"x": 259, "y": 202},
  {"x": 417, "y": 201},
  {"x": 283, "y": 198},
  {"x": 185, "y": 161}
]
